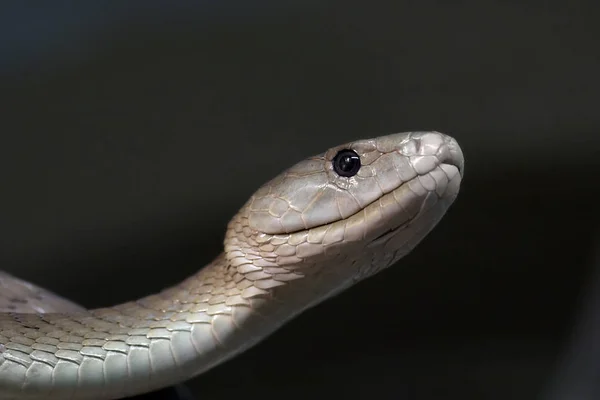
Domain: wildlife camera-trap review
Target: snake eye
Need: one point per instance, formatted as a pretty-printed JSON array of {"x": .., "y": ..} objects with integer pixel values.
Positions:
[{"x": 346, "y": 163}]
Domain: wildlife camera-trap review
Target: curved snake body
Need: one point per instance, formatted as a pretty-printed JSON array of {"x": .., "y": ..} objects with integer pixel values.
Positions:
[{"x": 306, "y": 235}]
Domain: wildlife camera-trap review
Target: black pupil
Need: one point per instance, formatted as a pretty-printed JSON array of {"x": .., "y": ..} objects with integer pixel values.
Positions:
[{"x": 346, "y": 163}]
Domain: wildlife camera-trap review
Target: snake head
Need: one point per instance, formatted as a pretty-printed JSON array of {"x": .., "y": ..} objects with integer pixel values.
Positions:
[{"x": 350, "y": 211}]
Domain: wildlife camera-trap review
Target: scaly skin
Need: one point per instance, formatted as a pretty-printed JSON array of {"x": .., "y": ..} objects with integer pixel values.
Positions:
[{"x": 301, "y": 238}]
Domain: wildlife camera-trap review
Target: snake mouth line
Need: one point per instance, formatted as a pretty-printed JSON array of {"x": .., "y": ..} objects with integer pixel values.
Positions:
[
  {"x": 392, "y": 230},
  {"x": 388, "y": 233},
  {"x": 450, "y": 161}
]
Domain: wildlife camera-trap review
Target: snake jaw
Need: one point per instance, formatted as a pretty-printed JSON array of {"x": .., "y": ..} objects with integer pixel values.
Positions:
[
  {"x": 409, "y": 181},
  {"x": 311, "y": 194}
]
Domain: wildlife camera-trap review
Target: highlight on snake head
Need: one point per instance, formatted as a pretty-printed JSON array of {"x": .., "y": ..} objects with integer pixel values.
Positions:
[{"x": 349, "y": 212}]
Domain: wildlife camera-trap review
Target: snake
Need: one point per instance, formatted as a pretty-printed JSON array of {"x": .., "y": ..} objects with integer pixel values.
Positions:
[{"x": 313, "y": 231}]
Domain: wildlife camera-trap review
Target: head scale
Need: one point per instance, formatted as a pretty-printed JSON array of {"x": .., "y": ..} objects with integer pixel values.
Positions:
[{"x": 345, "y": 214}]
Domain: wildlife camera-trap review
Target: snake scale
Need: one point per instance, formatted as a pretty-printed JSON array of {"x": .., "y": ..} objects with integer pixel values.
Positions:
[{"x": 314, "y": 230}]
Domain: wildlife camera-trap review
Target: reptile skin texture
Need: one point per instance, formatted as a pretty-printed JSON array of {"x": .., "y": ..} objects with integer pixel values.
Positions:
[{"x": 301, "y": 238}]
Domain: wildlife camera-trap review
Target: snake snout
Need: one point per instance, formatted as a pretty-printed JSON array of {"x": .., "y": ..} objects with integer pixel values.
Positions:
[
  {"x": 429, "y": 150},
  {"x": 445, "y": 148},
  {"x": 451, "y": 153}
]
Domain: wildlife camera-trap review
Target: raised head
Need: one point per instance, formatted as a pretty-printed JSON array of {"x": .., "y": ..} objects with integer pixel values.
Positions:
[{"x": 347, "y": 213}]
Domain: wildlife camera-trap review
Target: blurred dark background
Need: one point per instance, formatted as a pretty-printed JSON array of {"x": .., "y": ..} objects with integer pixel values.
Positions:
[{"x": 131, "y": 134}]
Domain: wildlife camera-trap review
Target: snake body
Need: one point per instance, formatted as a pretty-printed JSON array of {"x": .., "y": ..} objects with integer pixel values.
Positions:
[{"x": 314, "y": 230}]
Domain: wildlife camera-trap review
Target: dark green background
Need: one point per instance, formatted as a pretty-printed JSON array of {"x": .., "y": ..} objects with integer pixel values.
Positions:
[{"x": 131, "y": 136}]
